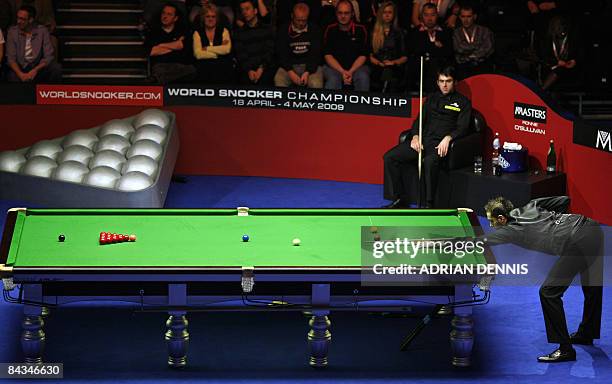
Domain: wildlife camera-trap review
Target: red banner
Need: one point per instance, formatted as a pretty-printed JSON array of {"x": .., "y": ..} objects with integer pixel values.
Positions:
[{"x": 150, "y": 96}]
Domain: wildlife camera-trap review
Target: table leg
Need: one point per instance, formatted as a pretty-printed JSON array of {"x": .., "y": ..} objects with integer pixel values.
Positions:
[
  {"x": 33, "y": 335},
  {"x": 319, "y": 336},
  {"x": 462, "y": 334},
  {"x": 177, "y": 338}
]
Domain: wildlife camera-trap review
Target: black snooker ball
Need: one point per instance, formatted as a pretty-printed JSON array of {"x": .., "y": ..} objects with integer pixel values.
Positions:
[{"x": 61, "y": 238}]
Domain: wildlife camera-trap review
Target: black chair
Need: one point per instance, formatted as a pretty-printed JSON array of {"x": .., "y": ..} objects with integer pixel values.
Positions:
[{"x": 460, "y": 155}]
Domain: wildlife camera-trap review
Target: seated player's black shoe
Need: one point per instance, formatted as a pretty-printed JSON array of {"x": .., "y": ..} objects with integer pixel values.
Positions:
[
  {"x": 399, "y": 203},
  {"x": 577, "y": 338},
  {"x": 558, "y": 356}
]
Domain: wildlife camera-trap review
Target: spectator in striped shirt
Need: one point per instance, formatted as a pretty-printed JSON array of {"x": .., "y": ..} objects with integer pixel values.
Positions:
[{"x": 29, "y": 51}]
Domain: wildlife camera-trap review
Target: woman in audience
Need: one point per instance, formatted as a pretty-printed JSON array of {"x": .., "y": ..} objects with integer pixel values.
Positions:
[
  {"x": 226, "y": 12},
  {"x": 211, "y": 47},
  {"x": 388, "y": 50}
]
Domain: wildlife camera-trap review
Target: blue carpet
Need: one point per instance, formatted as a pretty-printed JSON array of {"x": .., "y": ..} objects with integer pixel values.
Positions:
[{"x": 119, "y": 344}]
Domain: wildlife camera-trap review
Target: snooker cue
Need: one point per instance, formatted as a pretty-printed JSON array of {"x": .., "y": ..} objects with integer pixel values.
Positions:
[{"x": 420, "y": 159}]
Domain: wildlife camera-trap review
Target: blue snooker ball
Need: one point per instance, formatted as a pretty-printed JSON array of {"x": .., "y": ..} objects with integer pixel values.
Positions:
[{"x": 245, "y": 237}]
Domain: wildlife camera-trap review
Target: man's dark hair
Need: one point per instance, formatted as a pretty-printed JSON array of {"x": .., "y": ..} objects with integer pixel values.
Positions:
[
  {"x": 429, "y": 5},
  {"x": 499, "y": 206},
  {"x": 30, "y": 10},
  {"x": 172, "y": 5},
  {"x": 448, "y": 71},
  {"x": 247, "y": 1},
  {"x": 467, "y": 7}
]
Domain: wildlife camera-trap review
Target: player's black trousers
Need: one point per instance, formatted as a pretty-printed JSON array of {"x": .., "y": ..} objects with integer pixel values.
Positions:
[
  {"x": 401, "y": 164},
  {"x": 584, "y": 255}
]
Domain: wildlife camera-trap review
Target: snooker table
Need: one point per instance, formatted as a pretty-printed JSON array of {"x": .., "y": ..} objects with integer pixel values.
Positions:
[{"x": 196, "y": 260}]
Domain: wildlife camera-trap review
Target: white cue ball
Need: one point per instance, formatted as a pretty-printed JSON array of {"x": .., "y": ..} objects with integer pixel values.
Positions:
[
  {"x": 78, "y": 153},
  {"x": 122, "y": 128},
  {"x": 152, "y": 116},
  {"x": 11, "y": 161},
  {"x": 296, "y": 242}
]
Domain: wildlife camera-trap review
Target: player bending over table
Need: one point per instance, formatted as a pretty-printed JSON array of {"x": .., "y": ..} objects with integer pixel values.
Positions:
[
  {"x": 542, "y": 225},
  {"x": 446, "y": 117}
]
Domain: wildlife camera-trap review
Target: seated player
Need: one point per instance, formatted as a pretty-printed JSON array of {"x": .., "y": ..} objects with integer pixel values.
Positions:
[
  {"x": 446, "y": 117},
  {"x": 542, "y": 225}
]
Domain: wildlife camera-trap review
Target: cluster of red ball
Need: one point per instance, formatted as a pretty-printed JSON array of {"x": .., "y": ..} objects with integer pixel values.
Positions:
[{"x": 111, "y": 238}]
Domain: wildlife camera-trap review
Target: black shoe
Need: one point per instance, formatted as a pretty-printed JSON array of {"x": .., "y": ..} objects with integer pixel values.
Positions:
[
  {"x": 399, "y": 203},
  {"x": 577, "y": 338},
  {"x": 558, "y": 356}
]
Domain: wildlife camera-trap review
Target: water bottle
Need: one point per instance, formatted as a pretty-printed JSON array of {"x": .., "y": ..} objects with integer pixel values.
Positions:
[
  {"x": 495, "y": 154},
  {"x": 551, "y": 159}
]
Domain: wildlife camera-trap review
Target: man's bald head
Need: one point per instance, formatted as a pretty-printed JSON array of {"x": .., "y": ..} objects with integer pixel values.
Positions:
[{"x": 299, "y": 16}]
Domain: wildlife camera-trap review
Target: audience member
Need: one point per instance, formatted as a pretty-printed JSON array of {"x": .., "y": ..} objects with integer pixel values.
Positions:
[
  {"x": 388, "y": 49},
  {"x": 432, "y": 42},
  {"x": 346, "y": 50},
  {"x": 225, "y": 12},
  {"x": 29, "y": 50},
  {"x": 152, "y": 9},
  {"x": 559, "y": 52},
  {"x": 168, "y": 49},
  {"x": 328, "y": 11},
  {"x": 211, "y": 47},
  {"x": 299, "y": 51},
  {"x": 264, "y": 15},
  {"x": 254, "y": 45},
  {"x": 45, "y": 15},
  {"x": 447, "y": 11},
  {"x": 284, "y": 9},
  {"x": 473, "y": 45}
]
